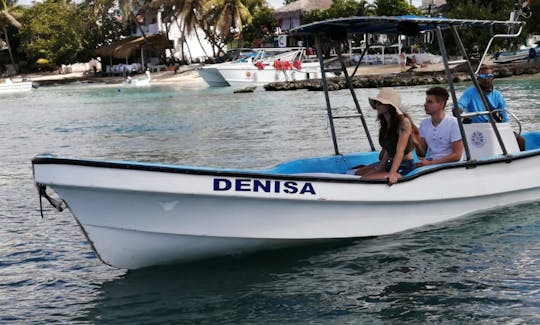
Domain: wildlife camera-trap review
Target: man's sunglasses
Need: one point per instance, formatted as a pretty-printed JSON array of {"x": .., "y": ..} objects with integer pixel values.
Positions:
[{"x": 485, "y": 76}]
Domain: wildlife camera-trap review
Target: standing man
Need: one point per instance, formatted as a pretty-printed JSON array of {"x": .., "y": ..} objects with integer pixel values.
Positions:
[
  {"x": 470, "y": 101},
  {"x": 532, "y": 55},
  {"x": 439, "y": 133}
]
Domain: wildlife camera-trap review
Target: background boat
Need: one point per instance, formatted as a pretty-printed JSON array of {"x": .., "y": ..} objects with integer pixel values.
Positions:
[
  {"x": 9, "y": 86},
  {"x": 512, "y": 56},
  {"x": 265, "y": 65}
]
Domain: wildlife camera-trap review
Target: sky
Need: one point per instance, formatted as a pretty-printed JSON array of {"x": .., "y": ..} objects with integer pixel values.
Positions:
[{"x": 279, "y": 3}]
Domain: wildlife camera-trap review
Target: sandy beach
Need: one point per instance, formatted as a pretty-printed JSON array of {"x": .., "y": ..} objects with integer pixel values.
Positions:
[{"x": 187, "y": 75}]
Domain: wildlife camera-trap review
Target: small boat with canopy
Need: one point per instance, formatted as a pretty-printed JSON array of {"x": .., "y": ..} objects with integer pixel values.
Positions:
[{"x": 138, "y": 214}]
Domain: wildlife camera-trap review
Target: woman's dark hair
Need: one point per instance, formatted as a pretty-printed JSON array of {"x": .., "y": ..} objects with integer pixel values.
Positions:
[{"x": 386, "y": 129}]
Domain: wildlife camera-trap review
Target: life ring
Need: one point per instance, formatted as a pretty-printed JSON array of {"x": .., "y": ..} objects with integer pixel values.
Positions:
[
  {"x": 286, "y": 65},
  {"x": 278, "y": 65},
  {"x": 297, "y": 64}
]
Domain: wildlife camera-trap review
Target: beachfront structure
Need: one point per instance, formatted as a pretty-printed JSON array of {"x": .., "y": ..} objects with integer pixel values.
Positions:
[
  {"x": 290, "y": 16},
  {"x": 150, "y": 44},
  {"x": 433, "y": 7}
]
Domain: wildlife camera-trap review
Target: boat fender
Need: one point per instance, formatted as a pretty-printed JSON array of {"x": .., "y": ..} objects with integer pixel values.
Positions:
[
  {"x": 58, "y": 204},
  {"x": 259, "y": 65}
]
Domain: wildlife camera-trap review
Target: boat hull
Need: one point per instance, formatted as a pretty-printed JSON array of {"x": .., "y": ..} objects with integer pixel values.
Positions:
[
  {"x": 138, "y": 215},
  {"x": 245, "y": 74},
  {"x": 514, "y": 56},
  {"x": 212, "y": 77},
  {"x": 15, "y": 87}
]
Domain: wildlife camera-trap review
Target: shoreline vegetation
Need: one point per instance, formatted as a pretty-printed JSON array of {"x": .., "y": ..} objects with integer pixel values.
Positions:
[{"x": 368, "y": 76}]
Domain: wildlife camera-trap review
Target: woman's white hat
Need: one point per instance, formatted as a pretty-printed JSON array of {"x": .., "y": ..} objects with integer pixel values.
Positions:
[{"x": 388, "y": 96}]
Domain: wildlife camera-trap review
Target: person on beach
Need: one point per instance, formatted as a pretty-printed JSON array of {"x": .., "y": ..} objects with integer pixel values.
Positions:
[
  {"x": 439, "y": 133},
  {"x": 470, "y": 100},
  {"x": 403, "y": 61},
  {"x": 395, "y": 138},
  {"x": 532, "y": 55}
]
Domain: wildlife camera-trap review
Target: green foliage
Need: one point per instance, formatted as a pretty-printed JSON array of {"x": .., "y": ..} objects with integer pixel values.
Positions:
[
  {"x": 395, "y": 8},
  {"x": 62, "y": 32},
  {"x": 339, "y": 8},
  {"x": 261, "y": 27},
  {"x": 476, "y": 38},
  {"x": 49, "y": 32},
  {"x": 533, "y": 23}
]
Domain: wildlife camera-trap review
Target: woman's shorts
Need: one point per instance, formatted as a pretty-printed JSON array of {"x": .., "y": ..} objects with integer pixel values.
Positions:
[{"x": 405, "y": 167}]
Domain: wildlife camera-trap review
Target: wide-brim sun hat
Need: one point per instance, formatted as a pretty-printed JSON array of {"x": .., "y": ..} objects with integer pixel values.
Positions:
[{"x": 388, "y": 96}]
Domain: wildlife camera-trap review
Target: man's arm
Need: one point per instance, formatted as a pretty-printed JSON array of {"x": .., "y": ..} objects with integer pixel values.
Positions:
[
  {"x": 457, "y": 151},
  {"x": 421, "y": 147}
]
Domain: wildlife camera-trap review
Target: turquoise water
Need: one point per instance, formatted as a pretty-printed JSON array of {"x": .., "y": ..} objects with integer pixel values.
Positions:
[{"x": 484, "y": 268}]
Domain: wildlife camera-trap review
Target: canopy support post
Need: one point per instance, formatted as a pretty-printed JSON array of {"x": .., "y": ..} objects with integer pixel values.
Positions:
[
  {"x": 487, "y": 106},
  {"x": 326, "y": 95},
  {"x": 450, "y": 79},
  {"x": 355, "y": 99}
]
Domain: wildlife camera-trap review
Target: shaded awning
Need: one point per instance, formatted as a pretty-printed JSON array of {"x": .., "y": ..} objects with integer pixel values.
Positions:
[{"x": 122, "y": 49}]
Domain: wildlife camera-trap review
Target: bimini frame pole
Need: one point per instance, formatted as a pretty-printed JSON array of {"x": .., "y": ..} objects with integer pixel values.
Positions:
[
  {"x": 355, "y": 99},
  {"x": 487, "y": 106},
  {"x": 331, "y": 117},
  {"x": 326, "y": 95},
  {"x": 450, "y": 79},
  {"x": 491, "y": 41}
]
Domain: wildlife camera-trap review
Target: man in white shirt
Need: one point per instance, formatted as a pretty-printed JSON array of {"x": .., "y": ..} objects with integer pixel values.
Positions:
[{"x": 440, "y": 132}]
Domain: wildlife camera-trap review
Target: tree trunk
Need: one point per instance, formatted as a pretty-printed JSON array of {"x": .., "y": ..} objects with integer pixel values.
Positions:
[
  {"x": 200, "y": 43},
  {"x": 9, "y": 50}
]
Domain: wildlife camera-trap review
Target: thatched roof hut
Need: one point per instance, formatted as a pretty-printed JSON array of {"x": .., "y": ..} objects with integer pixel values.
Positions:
[
  {"x": 301, "y": 7},
  {"x": 290, "y": 16},
  {"x": 124, "y": 48}
]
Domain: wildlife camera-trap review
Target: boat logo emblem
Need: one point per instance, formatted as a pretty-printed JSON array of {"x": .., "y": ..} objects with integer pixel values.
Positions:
[{"x": 478, "y": 139}]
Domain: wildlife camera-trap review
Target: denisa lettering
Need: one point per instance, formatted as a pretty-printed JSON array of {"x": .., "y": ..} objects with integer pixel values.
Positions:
[{"x": 265, "y": 186}]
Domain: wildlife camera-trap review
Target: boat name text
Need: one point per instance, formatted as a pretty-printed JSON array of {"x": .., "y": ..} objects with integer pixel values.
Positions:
[{"x": 267, "y": 186}]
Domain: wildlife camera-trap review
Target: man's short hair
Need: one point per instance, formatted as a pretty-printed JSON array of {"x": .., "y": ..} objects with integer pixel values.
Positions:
[
  {"x": 485, "y": 67},
  {"x": 439, "y": 92}
]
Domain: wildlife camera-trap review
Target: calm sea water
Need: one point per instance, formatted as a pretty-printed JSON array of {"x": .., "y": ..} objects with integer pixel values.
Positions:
[{"x": 484, "y": 268}]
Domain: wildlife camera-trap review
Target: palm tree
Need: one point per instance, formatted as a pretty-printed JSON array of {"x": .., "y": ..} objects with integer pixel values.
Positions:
[
  {"x": 9, "y": 16},
  {"x": 230, "y": 16}
]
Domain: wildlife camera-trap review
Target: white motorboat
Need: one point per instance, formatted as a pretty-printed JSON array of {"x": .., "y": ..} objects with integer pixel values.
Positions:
[
  {"x": 266, "y": 66},
  {"x": 211, "y": 75},
  {"x": 140, "y": 81},
  {"x": 8, "y": 86},
  {"x": 288, "y": 66},
  {"x": 513, "y": 56},
  {"x": 138, "y": 214}
]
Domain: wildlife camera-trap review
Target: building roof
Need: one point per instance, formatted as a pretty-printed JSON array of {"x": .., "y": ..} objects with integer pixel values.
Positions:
[
  {"x": 301, "y": 7},
  {"x": 124, "y": 48}
]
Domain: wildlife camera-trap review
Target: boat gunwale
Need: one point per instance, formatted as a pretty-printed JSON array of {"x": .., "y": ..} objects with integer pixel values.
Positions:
[{"x": 269, "y": 174}]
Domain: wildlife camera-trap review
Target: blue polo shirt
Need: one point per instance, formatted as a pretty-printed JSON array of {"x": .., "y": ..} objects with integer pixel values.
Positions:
[{"x": 470, "y": 102}]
